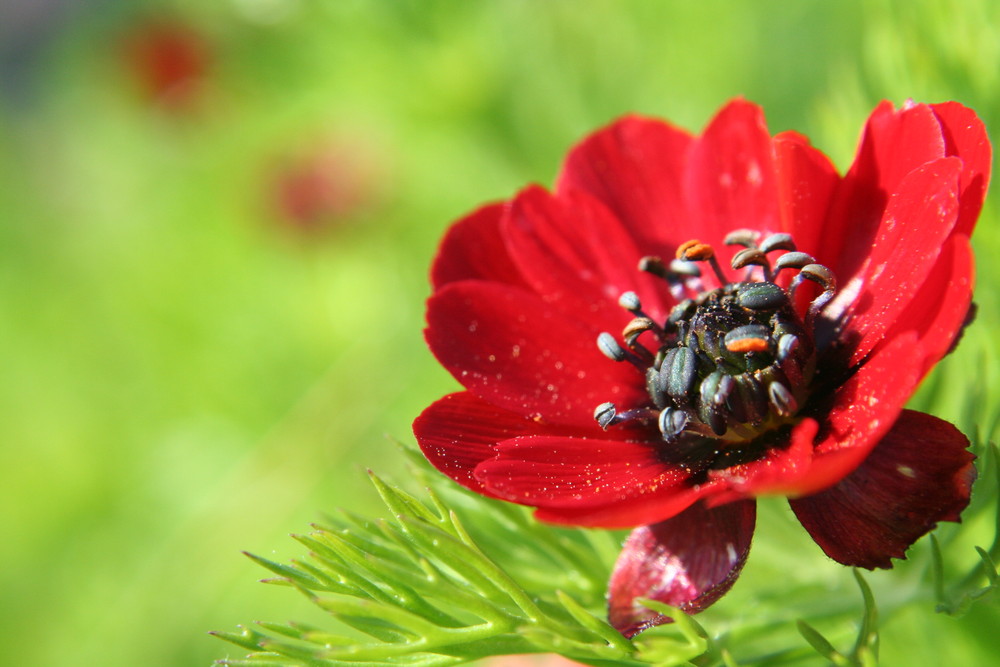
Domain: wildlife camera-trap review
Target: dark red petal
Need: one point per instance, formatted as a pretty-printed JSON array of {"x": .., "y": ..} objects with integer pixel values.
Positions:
[
  {"x": 806, "y": 182},
  {"x": 460, "y": 431},
  {"x": 473, "y": 249},
  {"x": 689, "y": 562},
  {"x": 635, "y": 166},
  {"x": 509, "y": 347},
  {"x": 894, "y": 144},
  {"x": 579, "y": 257},
  {"x": 918, "y": 219},
  {"x": 938, "y": 311},
  {"x": 965, "y": 136},
  {"x": 589, "y": 482},
  {"x": 920, "y": 473},
  {"x": 864, "y": 409},
  {"x": 731, "y": 177}
]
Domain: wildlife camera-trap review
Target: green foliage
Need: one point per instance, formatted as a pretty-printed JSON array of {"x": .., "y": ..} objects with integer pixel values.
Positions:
[
  {"x": 961, "y": 596},
  {"x": 420, "y": 590},
  {"x": 865, "y": 650},
  {"x": 429, "y": 588}
]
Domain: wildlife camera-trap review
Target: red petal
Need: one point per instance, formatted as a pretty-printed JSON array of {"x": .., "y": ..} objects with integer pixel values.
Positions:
[
  {"x": 578, "y": 257},
  {"x": 509, "y": 347},
  {"x": 965, "y": 136},
  {"x": 779, "y": 472},
  {"x": 864, "y": 409},
  {"x": 473, "y": 249},
  {"x": 589, "y": 482},
  {"x": 635, "y": 166},
  {"x": 918, "y": 219},
  {"x": 938, "y": 311},
  {"x": 731, "y": 176},
  {"x": 806, "y": 182},
  {"x": 689, "y": 561},
  {"x": 894, "y": 144},
  {"x": 920, "y": 473},
  {"x": 460, "y": 431}
]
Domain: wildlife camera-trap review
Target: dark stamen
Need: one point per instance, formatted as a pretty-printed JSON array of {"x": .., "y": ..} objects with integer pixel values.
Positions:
[
  {"x": 752, "y": 257},
  {"x": 696, "y": 251},
  {"x": 610, "y": 348},
  {"x": 728, "y": 365},
  {"x": 684, "y": 268},
  {"x": 672, "y": 422},
  {"x": 779, "y": 241},
  {"x": 606, "y": 415},
  {"x": 630, "y": 302},
  {"x": 678, "y": 372},
  {"x": 748, "y": 338},
  {"x": 782, "y": 399},
  {"x": 761, "y": 296},
  {"x": 793, "y": 260},
  {"x": 744, "y": 237}
]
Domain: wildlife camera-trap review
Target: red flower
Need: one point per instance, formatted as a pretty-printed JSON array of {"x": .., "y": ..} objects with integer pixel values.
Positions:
[
  {"x": 169, "y": 59},
  {"x": 784, "y": 371},
  {"x": 334, "y": 180}
]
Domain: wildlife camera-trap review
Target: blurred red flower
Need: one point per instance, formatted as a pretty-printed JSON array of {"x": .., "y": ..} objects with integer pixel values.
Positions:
[
  {"x": 783, "y": 371},
  {"x": 327, "y": 184},
  {"x": 169, "y": 59}
]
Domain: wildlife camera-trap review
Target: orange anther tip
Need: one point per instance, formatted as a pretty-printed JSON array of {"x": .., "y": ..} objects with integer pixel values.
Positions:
[
  {"x": 695, "y": 251},
  {"x": 745, "y": 345}
]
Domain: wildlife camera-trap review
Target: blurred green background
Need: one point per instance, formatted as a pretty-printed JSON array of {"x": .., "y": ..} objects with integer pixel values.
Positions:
[{"x": 216, "y": 220}]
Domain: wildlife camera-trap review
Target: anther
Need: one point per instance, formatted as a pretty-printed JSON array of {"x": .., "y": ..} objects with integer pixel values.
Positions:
[
  {"x": 724, "y": 390},
  {"x": 761, "y": 296},
  {"x": 654, "y": 265},
  {"x": 748, "y": 257},
  {"x": 788, "y": 348},
  {"x": 752, "y": 405},
  {"x": 788, "y": 345},
  {"x": 782, "y": 399},
  {"x": 793, "y": 260},
  {"x": 819, "y": 274},
  {"x": 610, "y": 348},
  {"x": 605, "y": 414},
  {"x": 685, "y": 268},
  {"x": 748, "y": 338},
  {"x": 671, "y": 423},
  {"x": 696, "y": 251},
  {"x": 713, "y": 414},
  {"x": 744, "y": 237},
  {"x": 655, "y": 388},
  {"x": 779, "y": 241},
  {"x": 630, "y": 301},
  {"x": 678, "y": 372},
  {"x": 824, "y": 277},
  {"x": 636, "y": 327},
  {"x": 683, "y": 310}
]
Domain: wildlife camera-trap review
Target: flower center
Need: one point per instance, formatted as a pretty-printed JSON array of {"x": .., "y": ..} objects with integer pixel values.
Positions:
[{"x": 731, "y": 363}]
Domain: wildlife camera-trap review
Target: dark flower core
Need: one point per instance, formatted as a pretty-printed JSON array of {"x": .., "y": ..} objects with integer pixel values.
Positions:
[{"x": 730, "y": 365}]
